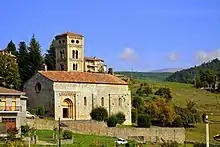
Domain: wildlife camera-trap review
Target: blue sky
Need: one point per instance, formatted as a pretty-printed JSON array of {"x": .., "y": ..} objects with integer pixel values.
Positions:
[{"x": 143, "y": 34}]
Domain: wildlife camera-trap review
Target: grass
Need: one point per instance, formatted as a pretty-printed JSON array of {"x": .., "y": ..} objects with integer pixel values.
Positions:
[{"x": 82, "y": 140}]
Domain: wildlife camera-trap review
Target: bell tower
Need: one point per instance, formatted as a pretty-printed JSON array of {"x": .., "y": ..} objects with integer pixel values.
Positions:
[{"x": 69, "y": 52}]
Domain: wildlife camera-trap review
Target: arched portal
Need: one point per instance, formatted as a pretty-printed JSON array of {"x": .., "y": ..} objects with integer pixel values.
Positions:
[{"x": 67, "y": 107}]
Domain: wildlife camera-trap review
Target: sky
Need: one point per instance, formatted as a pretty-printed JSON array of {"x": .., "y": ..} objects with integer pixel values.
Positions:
[{"x": 141, "y": 35}]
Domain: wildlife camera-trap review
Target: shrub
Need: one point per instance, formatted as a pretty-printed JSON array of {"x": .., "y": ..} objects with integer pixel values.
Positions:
[
  {"x": 120, "y": 117},
  {"x": 144, "y": 121},
  {"x": 67, "y": 134},
  {"x": 127, "y": 145},
  {"x": 169, "y": 143},
  {"x": 99, "y": 114},
  {"x": 32, "y": 111},
  {"x": 178, "y": 122},
  {"x": 112, "y": 121},
  {"x": 25, "y": 130},
  {"x": 134, "y": 115},
  {"x": 41, "y": 110},
  {"x": 11, "y": 134}
]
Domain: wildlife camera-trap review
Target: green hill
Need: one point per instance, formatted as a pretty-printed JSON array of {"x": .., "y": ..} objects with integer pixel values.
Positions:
[
  {"x": 149, "y": 76},
  {"x": 188, "y": 75}
]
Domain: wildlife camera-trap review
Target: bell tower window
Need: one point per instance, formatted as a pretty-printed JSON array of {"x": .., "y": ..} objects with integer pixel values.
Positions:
[
  {"x": 73, "y": 53},
  {"x": 76, "y": 54},
  {"x": 76, "y": 66}
]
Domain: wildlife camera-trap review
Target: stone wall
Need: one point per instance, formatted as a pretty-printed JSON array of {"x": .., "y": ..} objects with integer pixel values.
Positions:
[{"x": 154, "y": 134}]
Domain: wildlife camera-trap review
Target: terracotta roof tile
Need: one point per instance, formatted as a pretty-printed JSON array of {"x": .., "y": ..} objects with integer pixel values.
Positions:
[
  {"x": 68, "y": 34},
  {"x": 82, "y": 77},
  {"x": 10, "y": 91},
  {"x": 93, "y": 59}
]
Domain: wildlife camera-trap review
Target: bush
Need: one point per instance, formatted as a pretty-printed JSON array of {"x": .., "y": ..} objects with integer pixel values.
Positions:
[
  {"x": 127, "y": 145},
  {"x": 178, "y": 122},
  {"x": 120, "y": 117},
  {"x": 41, "y": 110},
  {"x": 11, "y": 134},
  {"x": 169, "y": 143},
  {"x": 67, "y": 134},
  {"x": 99, "y": 114},
  {"x": 164, "y": 92},
  {"x": 112, "y": 121},
  {"x": 134, "y": 115},
  {"x": 144, "y": 121},
  {"x": 25, "y": 130},
  {"x": 32, "y": 111}
]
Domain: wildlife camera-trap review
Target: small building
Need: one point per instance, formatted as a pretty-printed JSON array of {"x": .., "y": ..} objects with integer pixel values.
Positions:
[
  {"x": 73, "y": 95},
  {"x": 94, "y": 64},
  {"x": 12, "y": 109}
]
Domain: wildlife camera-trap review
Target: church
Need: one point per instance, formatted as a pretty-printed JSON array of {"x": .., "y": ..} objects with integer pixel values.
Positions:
[{"x": 72, "y": 90}]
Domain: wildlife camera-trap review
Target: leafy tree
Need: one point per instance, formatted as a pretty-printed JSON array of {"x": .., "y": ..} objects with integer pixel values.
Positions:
[
  {"x": 144, "y": 121},
  {"x": 41, "y": 110},
  {"x": 164, "y": 92},
  {"x": 23, "y": 62},
  {"x": 134, "y": 114},
  {"x": 67, "y": 134},
  {"x": 144, "y": 90},
  {"x": 137, "y": 102},
  {"x": 9, "y": 72},
  {"x": 25, "y": 130},
  {"x": 112, "y": 121},
  {"x": 161, "y": 110},
  {"x": 35, "y": 58},
  {"x": 99, "y": 114},
  {"x": 50, "y": 58},
  {"x": 12, "y": 48},
  {"x": 120, "y": 117}
]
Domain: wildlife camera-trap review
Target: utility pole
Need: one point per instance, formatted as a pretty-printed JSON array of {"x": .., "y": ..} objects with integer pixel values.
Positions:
[
  {"x": 59, "y": 132},
  {"x": 207, "y": 130}
]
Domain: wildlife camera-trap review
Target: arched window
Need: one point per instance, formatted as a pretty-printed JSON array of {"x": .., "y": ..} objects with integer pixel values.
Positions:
[
  {"x": 85, "y": 102},
  {"x": 102, "y": 101},
  {"x": 120, "y": 101},
  {"x": 61, "y": 54},
  {"x": 74, "y": 66},
  {"x": 73, "y": 53},
  {"x": 76, "y": 54}
]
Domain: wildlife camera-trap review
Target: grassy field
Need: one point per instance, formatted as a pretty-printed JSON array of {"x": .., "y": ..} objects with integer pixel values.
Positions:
[{"x": 205, "y": 101}]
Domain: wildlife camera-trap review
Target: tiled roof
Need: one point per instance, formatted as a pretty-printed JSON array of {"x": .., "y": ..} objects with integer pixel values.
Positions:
[
  {"x": 82, "y": 77},
  {"x": 68, "y": 34},
  {"x": 93, "y": 59},
  {"x": 10, "y": 91}
]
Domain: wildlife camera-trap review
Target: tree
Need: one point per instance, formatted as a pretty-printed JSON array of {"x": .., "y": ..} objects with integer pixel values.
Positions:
[
  {"x": 50, "y": 58},
  {"x": 137, "y": 102},
  {"x": 23, "y": 62},
  {"x": 112, "y": 121},
  {"x": 164, "y": 92},
  {"x": 9, "y": 72},
  {"x": 144, "y": 121},
  {"x": 161, "y": 110},
  {"x": 12, "y": 48},
  {"x": 99, "y": 114},
  {"x": 35, "y": 58},
  {"x": 120, "y": 117}
]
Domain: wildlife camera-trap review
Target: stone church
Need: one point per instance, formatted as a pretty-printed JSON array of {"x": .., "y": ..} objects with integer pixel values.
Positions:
[{"x": 71, "y": 92}]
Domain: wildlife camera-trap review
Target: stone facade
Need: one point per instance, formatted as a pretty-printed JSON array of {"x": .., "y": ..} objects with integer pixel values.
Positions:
[{"x": 83, "y": 96}]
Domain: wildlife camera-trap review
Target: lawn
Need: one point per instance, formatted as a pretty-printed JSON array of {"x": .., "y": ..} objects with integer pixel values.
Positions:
[{"x": 82, "y": 140}]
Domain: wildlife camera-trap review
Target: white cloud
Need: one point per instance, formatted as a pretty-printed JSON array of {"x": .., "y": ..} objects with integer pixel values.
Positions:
[
  {"x": 128, "y": 55},
  {"x": 172, "y": 56},
  {"x": 203, "y": 56}
]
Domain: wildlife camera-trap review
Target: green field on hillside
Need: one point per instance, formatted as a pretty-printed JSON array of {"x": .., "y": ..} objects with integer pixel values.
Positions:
[{"x": 150, "y": 76}]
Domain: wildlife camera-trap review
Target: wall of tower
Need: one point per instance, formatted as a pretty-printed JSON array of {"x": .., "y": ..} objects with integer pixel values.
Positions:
[
  {"x": 61, "y": 46},
  {"x": 70, "y": 53},
  {"x": 75, "y": 44}
]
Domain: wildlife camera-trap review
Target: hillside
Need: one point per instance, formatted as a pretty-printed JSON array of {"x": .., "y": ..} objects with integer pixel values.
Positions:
[
  {"x": 149, "y": 76},
  {"x": 189, "y": 75}
]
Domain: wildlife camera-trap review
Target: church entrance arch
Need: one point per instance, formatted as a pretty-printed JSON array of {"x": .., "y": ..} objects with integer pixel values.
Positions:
[{"x": 67, "y": 107}]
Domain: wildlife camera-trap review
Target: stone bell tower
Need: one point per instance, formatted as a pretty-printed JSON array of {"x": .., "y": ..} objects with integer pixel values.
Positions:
[{"x": 69, "y": 52}]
